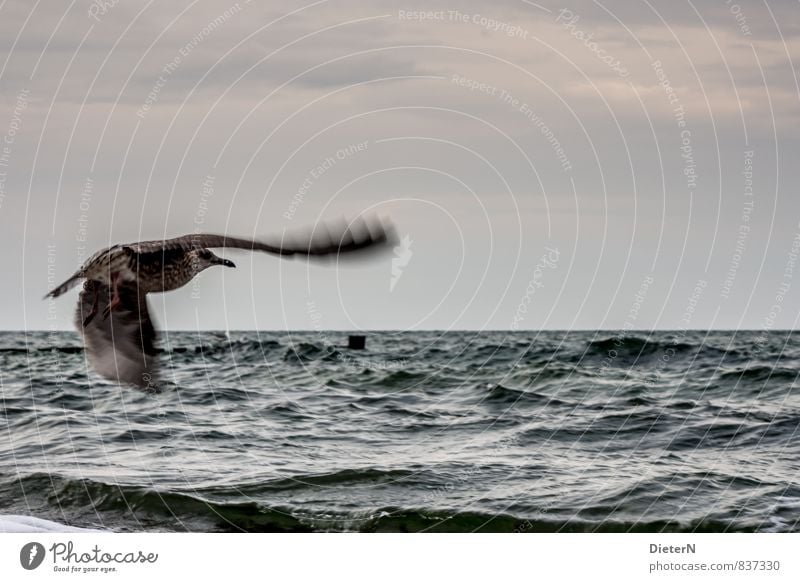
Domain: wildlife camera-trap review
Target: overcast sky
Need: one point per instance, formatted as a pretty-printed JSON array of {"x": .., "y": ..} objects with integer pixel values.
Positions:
[{"x": 552, "y": 165}]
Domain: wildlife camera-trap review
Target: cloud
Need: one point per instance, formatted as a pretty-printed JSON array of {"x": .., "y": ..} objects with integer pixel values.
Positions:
[{"x": 149, "y": 99}]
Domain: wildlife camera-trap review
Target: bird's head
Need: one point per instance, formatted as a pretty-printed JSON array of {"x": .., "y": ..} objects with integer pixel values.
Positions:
[{"x": 203, "y": 259}]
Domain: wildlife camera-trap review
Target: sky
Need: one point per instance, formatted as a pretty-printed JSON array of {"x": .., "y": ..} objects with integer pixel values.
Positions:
[{"x": 571, "y": 165}]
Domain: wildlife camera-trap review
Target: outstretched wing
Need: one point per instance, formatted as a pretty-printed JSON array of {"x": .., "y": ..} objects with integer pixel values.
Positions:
[
  {"x": 120, "y": 347},
  {"x": 324, "y": 240}
]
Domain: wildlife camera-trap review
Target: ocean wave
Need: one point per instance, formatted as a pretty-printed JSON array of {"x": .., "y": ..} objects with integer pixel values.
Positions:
[
  {"x": 131, "y": 508},
  {"x": 41, "y": 349},
  {"x": 546, "y": 371},
  {"x": 280, "y": 432},
  {"x": 71, "y": 490},
  {"x": 612, "y": 430},
  {"x": 305, "y": 352},
  {"x": 241, "y": 349},
  {"x": 726, "y": 435},
  {"x": 509, "y": 395},
  {"x": 758, "y": 373},
  {"x": 627, "y": 345},
  {"x": 238, "y": 347},
  {"x": 393, "y": 520},
  {"x": 405, "y": 379}
]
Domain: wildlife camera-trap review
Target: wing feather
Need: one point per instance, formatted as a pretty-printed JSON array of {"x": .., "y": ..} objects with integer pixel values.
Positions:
[
  {"x": 120, "y": 347},
  {"x": 323, "y": 240}
]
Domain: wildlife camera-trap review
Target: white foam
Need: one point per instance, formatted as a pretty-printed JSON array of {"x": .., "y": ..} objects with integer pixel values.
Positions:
[{"x": 29, "y": 524}]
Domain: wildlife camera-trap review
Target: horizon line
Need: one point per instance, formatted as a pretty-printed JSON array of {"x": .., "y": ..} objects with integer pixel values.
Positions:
[{"x": 487, "y": 330}]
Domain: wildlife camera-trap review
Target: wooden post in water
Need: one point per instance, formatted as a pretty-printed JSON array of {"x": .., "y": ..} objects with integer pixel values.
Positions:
[{"x": 357, "y": 342}]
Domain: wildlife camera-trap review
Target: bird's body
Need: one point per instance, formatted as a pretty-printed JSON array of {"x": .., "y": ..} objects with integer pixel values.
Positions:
[
  {"x": 104, "y": 262},
  {"x": 152, "y": 272},
  {"x": 173, "y": 272},
  {"x": 118, "y": 279}
]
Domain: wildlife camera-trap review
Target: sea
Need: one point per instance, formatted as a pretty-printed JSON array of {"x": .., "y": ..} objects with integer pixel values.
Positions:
[{"x": 598, "y": 431}]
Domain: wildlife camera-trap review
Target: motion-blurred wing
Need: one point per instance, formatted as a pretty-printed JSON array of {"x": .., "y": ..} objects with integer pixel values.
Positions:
[
  {"x": 120, "y": 347},
  {"x": 324, "y": 240}
]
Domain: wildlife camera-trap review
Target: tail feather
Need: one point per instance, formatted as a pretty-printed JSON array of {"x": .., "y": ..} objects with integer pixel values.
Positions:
[{"x": 65, "y": 286}]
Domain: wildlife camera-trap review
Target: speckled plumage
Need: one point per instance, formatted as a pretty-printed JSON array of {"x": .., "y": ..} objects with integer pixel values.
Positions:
[{"x": 152, "y": 272}]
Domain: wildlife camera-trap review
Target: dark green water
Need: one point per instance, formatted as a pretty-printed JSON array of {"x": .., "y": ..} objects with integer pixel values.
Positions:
[{"x": 423, "y": 431}]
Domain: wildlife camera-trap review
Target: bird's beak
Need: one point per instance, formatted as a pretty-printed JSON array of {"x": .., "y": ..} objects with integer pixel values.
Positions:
[{"x": 226, "y": 263}]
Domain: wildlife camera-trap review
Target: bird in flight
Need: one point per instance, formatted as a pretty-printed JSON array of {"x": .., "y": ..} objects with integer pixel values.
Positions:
[{"x": 112, "y": 313}]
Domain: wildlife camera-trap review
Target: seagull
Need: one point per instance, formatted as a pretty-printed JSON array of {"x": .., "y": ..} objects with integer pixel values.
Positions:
[{"x": 112, "y": 314}]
